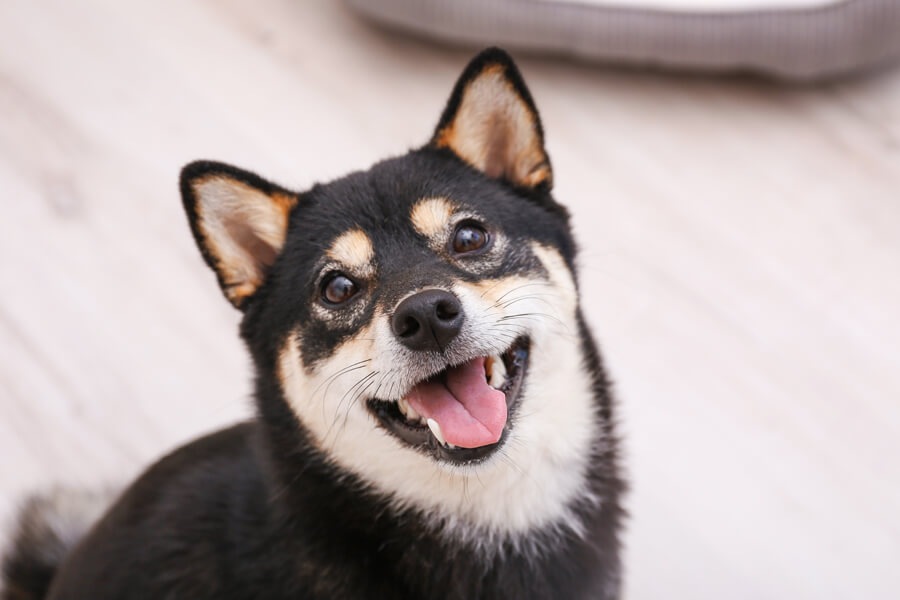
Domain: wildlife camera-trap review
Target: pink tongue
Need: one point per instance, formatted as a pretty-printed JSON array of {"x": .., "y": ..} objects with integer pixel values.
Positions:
[{"x": 470, "y": 412}]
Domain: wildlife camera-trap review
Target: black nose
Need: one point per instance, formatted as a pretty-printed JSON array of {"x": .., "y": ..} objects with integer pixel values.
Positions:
[{"x": 428, "y": 320}]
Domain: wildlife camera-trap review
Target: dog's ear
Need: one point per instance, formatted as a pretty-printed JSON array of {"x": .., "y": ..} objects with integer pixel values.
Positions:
[
  {"x": 239, "y": 221},
  {"x": 491, "y": 123}
]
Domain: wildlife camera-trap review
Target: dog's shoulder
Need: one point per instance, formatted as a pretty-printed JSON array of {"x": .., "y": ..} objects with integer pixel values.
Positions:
[{"x": 168, "y": 530}]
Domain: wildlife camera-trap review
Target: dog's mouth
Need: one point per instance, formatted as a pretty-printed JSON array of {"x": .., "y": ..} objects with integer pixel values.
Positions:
[{"x": 463, "y": 413}]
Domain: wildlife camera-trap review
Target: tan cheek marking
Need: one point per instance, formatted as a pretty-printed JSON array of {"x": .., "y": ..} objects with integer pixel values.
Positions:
[
  {"x": 496, "y": 291},
  {"x": 315, "y": 404},
  {"x": 354, "y": 249},
  {"x": 360, "y": 346},
  {"x": 431, "y": 216},
  {"x": 290, "y": 366}
]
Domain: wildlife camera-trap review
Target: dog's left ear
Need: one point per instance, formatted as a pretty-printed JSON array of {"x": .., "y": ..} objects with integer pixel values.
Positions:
[
  {"x": 239, "y": 221},
  {"x": 491, "y": 123}
]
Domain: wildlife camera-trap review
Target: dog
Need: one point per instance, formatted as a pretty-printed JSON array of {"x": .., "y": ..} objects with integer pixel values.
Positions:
[{"x": 433, "y": 418}]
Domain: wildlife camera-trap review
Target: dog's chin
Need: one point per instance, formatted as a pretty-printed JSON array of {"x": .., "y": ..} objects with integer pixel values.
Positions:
[{"x": 504, "y": 373}]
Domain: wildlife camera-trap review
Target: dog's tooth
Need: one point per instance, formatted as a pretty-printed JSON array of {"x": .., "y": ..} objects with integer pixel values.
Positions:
[
  {"x": 498, "y": 374},
  {"x": 488, "y": 366},
  {"x": 436, "y": 430},
  {"x": 451, "y": 446},
  {"x": 408, "y": 411}
]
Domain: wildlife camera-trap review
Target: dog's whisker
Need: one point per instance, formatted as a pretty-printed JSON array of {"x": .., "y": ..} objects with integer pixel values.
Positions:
[
  {"x": 351, "y": 367},
  {"x": 534, "y": 315},
  {"x": 492, "y": 287},
  {"x": 353, "y": 402},
  {"x": 534, "y": 297},
  {"x": 349, "y": 391},
  {"x": 330, "y": 381},
  {"x": 519, "y": 287}
]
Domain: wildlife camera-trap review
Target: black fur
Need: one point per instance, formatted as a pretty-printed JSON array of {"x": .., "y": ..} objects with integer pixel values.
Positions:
[
  {"x": 379, "y": 201},
  {"x": 34, "y": 556},
  {"x": 259, "y": 511}
]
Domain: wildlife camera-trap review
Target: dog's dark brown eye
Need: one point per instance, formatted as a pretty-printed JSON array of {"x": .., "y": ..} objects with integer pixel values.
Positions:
[
  {"x": 338, "y": 288},
  {"x": 469, "y": 237}
]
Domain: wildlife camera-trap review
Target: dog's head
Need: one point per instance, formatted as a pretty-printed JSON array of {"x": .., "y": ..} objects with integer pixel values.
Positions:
[{"x": 421, "y": 317}]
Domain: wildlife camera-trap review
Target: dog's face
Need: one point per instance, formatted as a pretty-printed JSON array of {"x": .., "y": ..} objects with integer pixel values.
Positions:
[{"x": 421, "y": 317}]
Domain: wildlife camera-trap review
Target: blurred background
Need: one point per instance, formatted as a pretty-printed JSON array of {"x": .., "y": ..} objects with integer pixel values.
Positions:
[{"x": 740, "y": 258}]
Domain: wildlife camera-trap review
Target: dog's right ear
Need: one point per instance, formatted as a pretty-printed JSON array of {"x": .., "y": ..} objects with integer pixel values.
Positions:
[
  {"x": 491, "y": 123},
  {"x": 239, "y": 221}
]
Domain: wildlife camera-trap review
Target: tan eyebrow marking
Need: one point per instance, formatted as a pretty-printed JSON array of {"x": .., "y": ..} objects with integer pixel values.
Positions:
[
  {"x": 353, "y": 249},
  {"x": 431, "y": 216}
]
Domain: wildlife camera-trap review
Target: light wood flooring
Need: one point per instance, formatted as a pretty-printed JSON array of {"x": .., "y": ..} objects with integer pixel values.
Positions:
[{"x": 741, "y": 267}]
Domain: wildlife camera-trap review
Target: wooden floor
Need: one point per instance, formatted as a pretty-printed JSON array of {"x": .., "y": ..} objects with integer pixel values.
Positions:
[{"x": 741, "y": 267}]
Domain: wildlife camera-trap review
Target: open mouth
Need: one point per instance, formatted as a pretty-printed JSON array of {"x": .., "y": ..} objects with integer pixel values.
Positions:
[{"x": 463, "y": 413}]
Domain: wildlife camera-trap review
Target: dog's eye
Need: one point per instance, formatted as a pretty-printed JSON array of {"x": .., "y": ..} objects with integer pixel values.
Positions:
[
  {"x": 338, "y": 288},
  {"x": 469, "y": 237}
]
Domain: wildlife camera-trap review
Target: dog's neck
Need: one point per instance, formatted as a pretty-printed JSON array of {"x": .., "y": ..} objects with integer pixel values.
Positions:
[
  {"x": 347, "y": 515},
  {"x": 542, "y": 480}
]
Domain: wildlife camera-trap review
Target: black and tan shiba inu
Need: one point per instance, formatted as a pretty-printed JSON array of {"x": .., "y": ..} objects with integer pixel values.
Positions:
[{"x": 433, "y": 418}]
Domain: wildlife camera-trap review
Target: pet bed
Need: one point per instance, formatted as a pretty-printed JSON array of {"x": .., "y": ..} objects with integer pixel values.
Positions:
[{"x": 800, "y": 39}]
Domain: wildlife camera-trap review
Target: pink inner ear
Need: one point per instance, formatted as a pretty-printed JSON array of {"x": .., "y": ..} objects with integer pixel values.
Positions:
[
  {"x": 242, "y": 228},
  {"x": 495, "y": 131},
  {"x": 496, "y": 159},
  {"x": 245, "y": 237}
]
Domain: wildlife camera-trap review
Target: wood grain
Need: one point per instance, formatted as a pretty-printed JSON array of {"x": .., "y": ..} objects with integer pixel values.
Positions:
[{"x": 741, "y": 252}]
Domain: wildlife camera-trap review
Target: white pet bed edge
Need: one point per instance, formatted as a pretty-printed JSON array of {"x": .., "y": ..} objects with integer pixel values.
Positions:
[{"x": 806, "y": 44}]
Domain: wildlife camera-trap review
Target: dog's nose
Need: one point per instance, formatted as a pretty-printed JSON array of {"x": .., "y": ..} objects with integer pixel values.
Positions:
[{"x": 428, "y": 320}]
